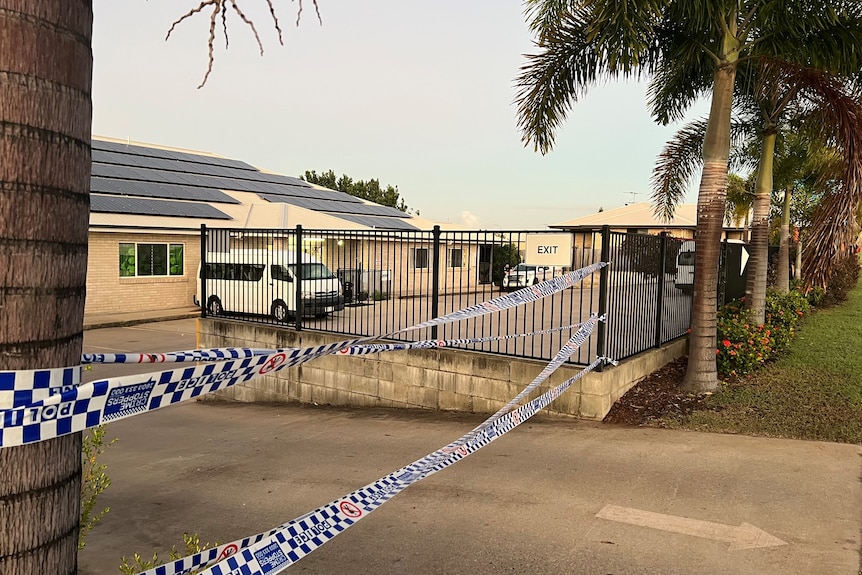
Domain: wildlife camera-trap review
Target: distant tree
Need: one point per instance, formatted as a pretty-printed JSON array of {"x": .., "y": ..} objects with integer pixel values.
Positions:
[
  {"x": 740, "y": 196},
  {"x": 503, "y": 255},
  {"x": 369, "y": 190}
]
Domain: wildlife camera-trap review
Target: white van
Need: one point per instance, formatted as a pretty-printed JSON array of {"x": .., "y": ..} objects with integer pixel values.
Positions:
[
  {"x": 523, "y": 275},
  {"x": 684, "y": 279},
  {"x": 263, "y": 282}
]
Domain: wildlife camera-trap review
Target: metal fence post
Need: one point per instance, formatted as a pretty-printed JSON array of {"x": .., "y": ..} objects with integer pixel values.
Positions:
[
  {"x": 435, "y": 279},
  {"x": 662, "y": 261},
  {"x": 203, "y": 271},
  {"x": 601, "y": 328},
  {"x": 298, "y": 274}
]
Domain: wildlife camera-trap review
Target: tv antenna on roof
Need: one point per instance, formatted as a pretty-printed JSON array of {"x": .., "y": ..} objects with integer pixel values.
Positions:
[{"x": 633, "y": 196}]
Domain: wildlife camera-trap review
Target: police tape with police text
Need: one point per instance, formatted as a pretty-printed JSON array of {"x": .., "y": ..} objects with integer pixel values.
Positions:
[
  {"x": 92, "y": 404},
  {"x": 344, "y": 512}
]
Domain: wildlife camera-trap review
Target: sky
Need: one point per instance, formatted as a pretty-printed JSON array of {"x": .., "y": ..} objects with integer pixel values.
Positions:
[{"x": 417, "y": 94}]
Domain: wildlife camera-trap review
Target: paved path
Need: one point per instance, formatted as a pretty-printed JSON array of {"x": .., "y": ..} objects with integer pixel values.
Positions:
[{"x": 552, "y": 497}]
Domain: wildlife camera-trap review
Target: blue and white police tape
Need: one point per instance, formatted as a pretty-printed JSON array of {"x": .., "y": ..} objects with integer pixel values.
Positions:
[
  {"x": 220, "y": 353},
  {"x": 191, "y": 355},
  {"x": 514, "y": 299},
  {"x": 50, "y": 412},
  {"x": 103, "y": 401},
  {"x": 39, "y": 386},
  {"x": 36, "y": 418},
  {"x": 576, "y": 341},
  {"x": 24, "y": 387},
  {"x": 273, "y": 551}
]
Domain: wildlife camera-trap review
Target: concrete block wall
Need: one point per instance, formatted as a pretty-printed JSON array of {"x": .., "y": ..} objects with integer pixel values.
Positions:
[{"x": 440, "y": 379}]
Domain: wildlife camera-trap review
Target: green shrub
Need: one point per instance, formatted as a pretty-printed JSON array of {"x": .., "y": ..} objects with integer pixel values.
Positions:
[
  {"x": 94, "y": 480},
  {"x": 815, "y": 296},
  {"x": 192, "y": 544},
  {"x": 844, "y": 277},
  {"x": 783, "y": 311},
  {"x": 743, "y": 346}
]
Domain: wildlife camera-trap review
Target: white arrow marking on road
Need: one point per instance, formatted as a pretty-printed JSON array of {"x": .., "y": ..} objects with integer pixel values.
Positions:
[{"x": 745, "y": 536}]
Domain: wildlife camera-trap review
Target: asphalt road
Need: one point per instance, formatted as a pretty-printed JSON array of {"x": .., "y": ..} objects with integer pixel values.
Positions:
[{"x": 552, "y": 496}]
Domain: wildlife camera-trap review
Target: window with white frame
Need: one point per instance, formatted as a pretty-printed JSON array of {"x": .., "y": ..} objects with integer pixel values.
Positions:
[
  {"x": 420, "y": 258},
  {"x": 455, "y": 258},
  {"x": 144, "y": 260}
]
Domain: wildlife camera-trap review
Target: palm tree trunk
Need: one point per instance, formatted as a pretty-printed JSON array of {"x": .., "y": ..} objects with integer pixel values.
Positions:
[
  {"x": 45, "y": 123},
  {"x": 701, "y": 374},
  {"x": 798, "y": 272},
  {"x": 758, "y": 261},
  {"x": 782, "y": 282}
]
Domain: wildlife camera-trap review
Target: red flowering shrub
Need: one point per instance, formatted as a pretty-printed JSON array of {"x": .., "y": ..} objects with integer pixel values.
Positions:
[{"x": 742, "y": 347}]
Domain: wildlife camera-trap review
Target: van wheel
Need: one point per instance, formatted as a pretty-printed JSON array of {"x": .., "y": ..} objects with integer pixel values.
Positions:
[
  {"x": 214, "y": 306},
  {"x": 279, "y": 311}
]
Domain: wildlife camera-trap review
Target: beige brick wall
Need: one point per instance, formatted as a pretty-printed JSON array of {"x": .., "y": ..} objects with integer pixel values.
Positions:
[
  {"x": 107, "y": 292},
  {"x": 444, "y": 379}
]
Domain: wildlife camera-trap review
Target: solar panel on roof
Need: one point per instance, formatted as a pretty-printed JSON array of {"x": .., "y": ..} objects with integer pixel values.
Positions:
[
  {"x": 138, "y": 206},
  {"x": 129, "y": 149},
  {"x": 282, "y": 190},
  {"x": 236, "y": 175},
  {"x": 377, "y": 222},
  {"x": 124, "y": 170},
  {"x": 158, "y": 190},
  {"x": 328, "y": 205}
]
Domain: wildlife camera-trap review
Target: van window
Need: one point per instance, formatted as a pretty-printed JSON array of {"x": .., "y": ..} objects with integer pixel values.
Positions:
[
  {"x": 236, "y": 272},
  {"x": 280, "y": 273},
  {"x": 685, "y": 259},
  {"x": 313, "y": 271}
]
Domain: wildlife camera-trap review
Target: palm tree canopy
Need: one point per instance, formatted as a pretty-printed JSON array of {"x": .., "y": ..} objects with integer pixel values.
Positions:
[
  {"x": 821, "y": 116},
  {"x": 678, "y": 44}
]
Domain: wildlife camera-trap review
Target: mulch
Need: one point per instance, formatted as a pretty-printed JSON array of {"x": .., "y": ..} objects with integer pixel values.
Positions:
[{"x": 655, "y": 397}]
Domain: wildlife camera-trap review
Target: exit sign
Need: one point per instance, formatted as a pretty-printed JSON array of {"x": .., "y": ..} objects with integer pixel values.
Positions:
[{"x": 548, "y": 250}]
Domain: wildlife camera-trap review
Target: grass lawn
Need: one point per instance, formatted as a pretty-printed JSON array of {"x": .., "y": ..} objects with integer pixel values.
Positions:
[{"x": 814, "y": 391}]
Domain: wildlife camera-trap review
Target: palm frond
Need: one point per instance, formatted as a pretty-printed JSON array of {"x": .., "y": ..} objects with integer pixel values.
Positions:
[
  {"x": 579, "y": 43},
  {"x": 839, "y": 115},
  {"x": 685, "y": 74},
  {"x": 675, "y": 166},
  {"x": 553, "y": 79}
]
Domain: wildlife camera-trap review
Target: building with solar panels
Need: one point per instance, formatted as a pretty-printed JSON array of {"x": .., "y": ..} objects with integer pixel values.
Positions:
[{"x": 148, "y": 203}]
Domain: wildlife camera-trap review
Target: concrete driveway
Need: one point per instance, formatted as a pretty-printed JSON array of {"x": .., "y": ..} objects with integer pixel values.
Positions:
[{"x": 553, "y": 496}]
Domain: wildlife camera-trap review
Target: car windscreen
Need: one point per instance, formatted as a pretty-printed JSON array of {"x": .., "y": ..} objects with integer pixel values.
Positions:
[{"x": 313, "y": 271}]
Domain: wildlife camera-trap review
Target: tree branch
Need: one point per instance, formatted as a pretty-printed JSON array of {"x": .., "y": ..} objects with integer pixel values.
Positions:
[{"x": 220, "y": 8}]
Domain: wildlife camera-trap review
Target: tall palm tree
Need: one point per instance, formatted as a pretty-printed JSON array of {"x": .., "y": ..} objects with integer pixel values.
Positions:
[
  {"x": 45, "y": 110},
  {"x": 783, "y": 92},
  {"x": 801, "y": 162},
  {"x": 773, "y": 97},
  {"x": 688, "y": 49}
]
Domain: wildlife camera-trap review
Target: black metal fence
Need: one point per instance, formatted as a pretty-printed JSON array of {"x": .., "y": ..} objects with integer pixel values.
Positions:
[{"x": 361, "y": 282}]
